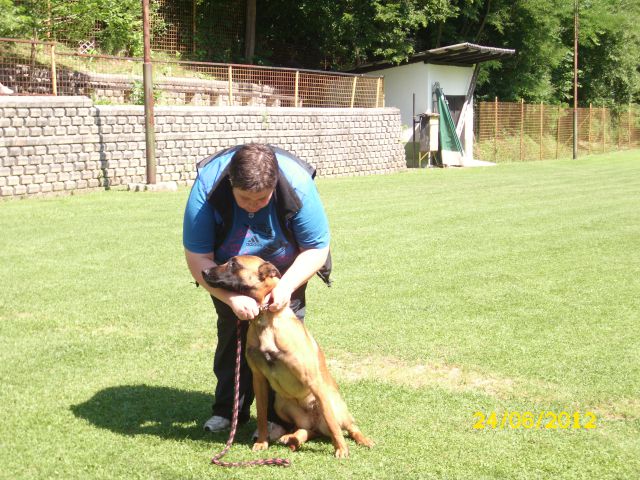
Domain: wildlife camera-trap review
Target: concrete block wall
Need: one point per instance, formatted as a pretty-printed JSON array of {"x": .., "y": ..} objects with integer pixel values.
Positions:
[{"x": 52, "y": 145}]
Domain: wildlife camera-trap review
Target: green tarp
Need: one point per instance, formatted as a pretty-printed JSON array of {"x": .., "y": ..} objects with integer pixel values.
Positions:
[{"x": 451, "y": 148}]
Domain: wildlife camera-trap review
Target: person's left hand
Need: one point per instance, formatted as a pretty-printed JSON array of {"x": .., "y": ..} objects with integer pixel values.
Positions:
[{"x": 279, "y": 298}]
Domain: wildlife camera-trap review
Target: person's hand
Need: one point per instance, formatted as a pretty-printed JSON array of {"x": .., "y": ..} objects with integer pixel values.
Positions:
[
  {"x": 245, "y": 308},
  {"x": 280, "y": 297}
]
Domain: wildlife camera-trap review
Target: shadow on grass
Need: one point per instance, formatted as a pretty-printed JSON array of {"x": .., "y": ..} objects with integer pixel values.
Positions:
[{"x": 151, "y": 410}]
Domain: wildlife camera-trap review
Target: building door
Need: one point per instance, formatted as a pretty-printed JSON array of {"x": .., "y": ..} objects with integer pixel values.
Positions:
[{"x": 456, "y": 102}]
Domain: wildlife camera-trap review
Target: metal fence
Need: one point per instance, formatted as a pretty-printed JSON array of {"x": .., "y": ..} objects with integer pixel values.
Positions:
[
  {"x": 513, "y": 131},
  {"x": 29, "y": 67}
]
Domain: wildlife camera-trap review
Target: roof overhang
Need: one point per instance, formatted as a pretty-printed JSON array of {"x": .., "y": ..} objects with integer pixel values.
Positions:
[{"x": 459, "y": 55}]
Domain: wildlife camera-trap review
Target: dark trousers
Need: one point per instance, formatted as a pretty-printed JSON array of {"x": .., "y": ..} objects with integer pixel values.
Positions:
[{"x": 224, "y": 361}]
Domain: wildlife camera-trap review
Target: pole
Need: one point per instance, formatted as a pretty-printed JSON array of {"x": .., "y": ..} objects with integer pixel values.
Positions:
[
  {"x": 558, "y": 131},
  {"x": 541, "y": 128},
  {"x": 604, "y": 131},
  {"x": 590, "y": 116},
  {"x": 230, "y": 86},
  {"x": 54, "y": 75},
  {"x": 521, "y": 129},
  {"x": 495, "y": 129},
  {"x": 353, "y": 91},
  {"x": 619, "y": 130},
  {"x": 629, "y": 127},
  {"x": 413, "y": 117},
  {"x": 147, "y": 78},
  {"x": 575, "y": 79}
]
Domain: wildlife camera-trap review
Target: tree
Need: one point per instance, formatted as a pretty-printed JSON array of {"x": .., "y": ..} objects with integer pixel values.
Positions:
[
  {"x": 609, "y": 52},
  {"x": 73, "y": 21},
  {"x": 541, "y": 31},
  {"x": 339, "y": 34},
  {"x": 14, "y": 22}
]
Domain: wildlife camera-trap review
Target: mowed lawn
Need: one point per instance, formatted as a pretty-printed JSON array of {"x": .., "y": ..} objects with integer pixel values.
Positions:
[{"x": 509, "y": 289}]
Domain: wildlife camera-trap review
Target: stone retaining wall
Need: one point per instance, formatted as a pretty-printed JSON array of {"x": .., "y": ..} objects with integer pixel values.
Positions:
[{"x": 68, "y": 144}]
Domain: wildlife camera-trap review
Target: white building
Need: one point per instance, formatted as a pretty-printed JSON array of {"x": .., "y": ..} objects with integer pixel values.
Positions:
[{"x": 453, "y": 67}]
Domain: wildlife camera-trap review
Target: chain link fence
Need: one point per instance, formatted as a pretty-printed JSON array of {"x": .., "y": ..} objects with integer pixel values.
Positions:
[
  {"x": 29, "y": 67},
  {"x": 516, "y": 131}
]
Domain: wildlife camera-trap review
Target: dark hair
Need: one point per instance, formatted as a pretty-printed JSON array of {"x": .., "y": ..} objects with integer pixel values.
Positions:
[{"x": 254, "y": 168}]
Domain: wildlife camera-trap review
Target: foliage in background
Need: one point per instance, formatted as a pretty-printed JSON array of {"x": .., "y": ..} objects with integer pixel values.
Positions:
[
  {"x": 136, "y": 96},
  {"x": 347, "y": 33},
  {"x": 220, "y": 30},
  {"x": 13, "y": 20},
  {"x": 610, "y": 52},
  {"x": 542, "y": 32},
  {"x": 114, "y": 26},
  {"x": 342, "y": 34}
]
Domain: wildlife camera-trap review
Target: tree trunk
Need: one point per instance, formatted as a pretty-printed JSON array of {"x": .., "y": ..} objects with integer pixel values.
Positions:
[
  {"x": 483, "y": 23},
  {"x": 250, "y": 31}
]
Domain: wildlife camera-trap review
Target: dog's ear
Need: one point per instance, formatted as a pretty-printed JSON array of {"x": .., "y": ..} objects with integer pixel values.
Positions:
[{"x": 268, "y": 270}]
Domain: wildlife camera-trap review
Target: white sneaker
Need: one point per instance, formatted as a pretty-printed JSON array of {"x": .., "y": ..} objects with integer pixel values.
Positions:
[
  {"x": 275, "y": 432},
  {"x": 217, "y": 424}
]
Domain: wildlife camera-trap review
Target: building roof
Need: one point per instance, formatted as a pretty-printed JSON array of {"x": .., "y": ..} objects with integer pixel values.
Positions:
[{"x": 460, "y": 55}]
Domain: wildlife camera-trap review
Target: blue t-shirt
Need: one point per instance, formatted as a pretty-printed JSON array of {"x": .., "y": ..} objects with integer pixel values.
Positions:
[{"x": 256, "y": 233}]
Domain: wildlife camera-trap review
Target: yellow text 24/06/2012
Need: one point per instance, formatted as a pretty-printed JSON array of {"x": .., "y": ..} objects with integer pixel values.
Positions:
[{"x": 544, "y": 420}]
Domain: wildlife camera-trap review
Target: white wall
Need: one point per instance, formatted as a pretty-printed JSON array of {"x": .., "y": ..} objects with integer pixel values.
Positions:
[
  {"x": 401, "y": 82},
  {"x": 453, "y": 80}
]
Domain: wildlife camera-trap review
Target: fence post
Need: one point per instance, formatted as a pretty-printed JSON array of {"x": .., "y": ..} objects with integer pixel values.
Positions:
[
  {"x": 295, "y": 89},
  {"x": 590, "y": 113},
  {"x": 629, "y": 126},
  {"x": 495, "y": 129},
  {"x": 378, "y": 84},
  {"x": 54, "y": 79},
  {"x": 230, "y": 86},
  {"x": 604, "y": 131},
  {"x": 353, "y": 90},
  {"x": 521, "y": 129},
  {"x": 149, "y": 101},
  {"x": 558, "y": 131},
  {"x": 541, "y": 127},
  {"x": 619, "y": 131}
]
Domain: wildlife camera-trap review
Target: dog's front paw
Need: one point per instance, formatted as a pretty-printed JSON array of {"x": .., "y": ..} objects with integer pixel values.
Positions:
[
  {"x": 342, "y": 452},
  {"x": 260, "y": 446}
]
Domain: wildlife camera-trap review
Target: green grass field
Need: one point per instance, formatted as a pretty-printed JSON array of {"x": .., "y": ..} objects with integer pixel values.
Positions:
[{"x": 513, "y": 288}]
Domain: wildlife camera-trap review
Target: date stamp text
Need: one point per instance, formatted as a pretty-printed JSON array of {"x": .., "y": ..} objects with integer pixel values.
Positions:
[{"x": 544, "y": 420}]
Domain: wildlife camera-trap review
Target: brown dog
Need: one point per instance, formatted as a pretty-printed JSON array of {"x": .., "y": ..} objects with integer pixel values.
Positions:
[{"x": 282, "y": 352}]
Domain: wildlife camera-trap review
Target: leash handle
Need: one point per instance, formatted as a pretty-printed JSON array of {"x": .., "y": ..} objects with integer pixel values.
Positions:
[{"x": 279, "y": 462}]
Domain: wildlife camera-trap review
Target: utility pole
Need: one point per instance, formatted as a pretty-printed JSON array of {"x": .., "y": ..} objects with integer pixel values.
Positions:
[
  {"x": 575, "y": 79},
  {"x": 147, "y": 78}
]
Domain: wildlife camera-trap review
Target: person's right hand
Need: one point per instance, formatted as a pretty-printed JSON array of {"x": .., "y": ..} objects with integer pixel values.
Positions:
[{"x": 245, "y": 308}]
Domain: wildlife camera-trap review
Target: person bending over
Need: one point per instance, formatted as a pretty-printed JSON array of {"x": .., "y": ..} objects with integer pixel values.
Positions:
[{"x": 259, "y": 200}]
